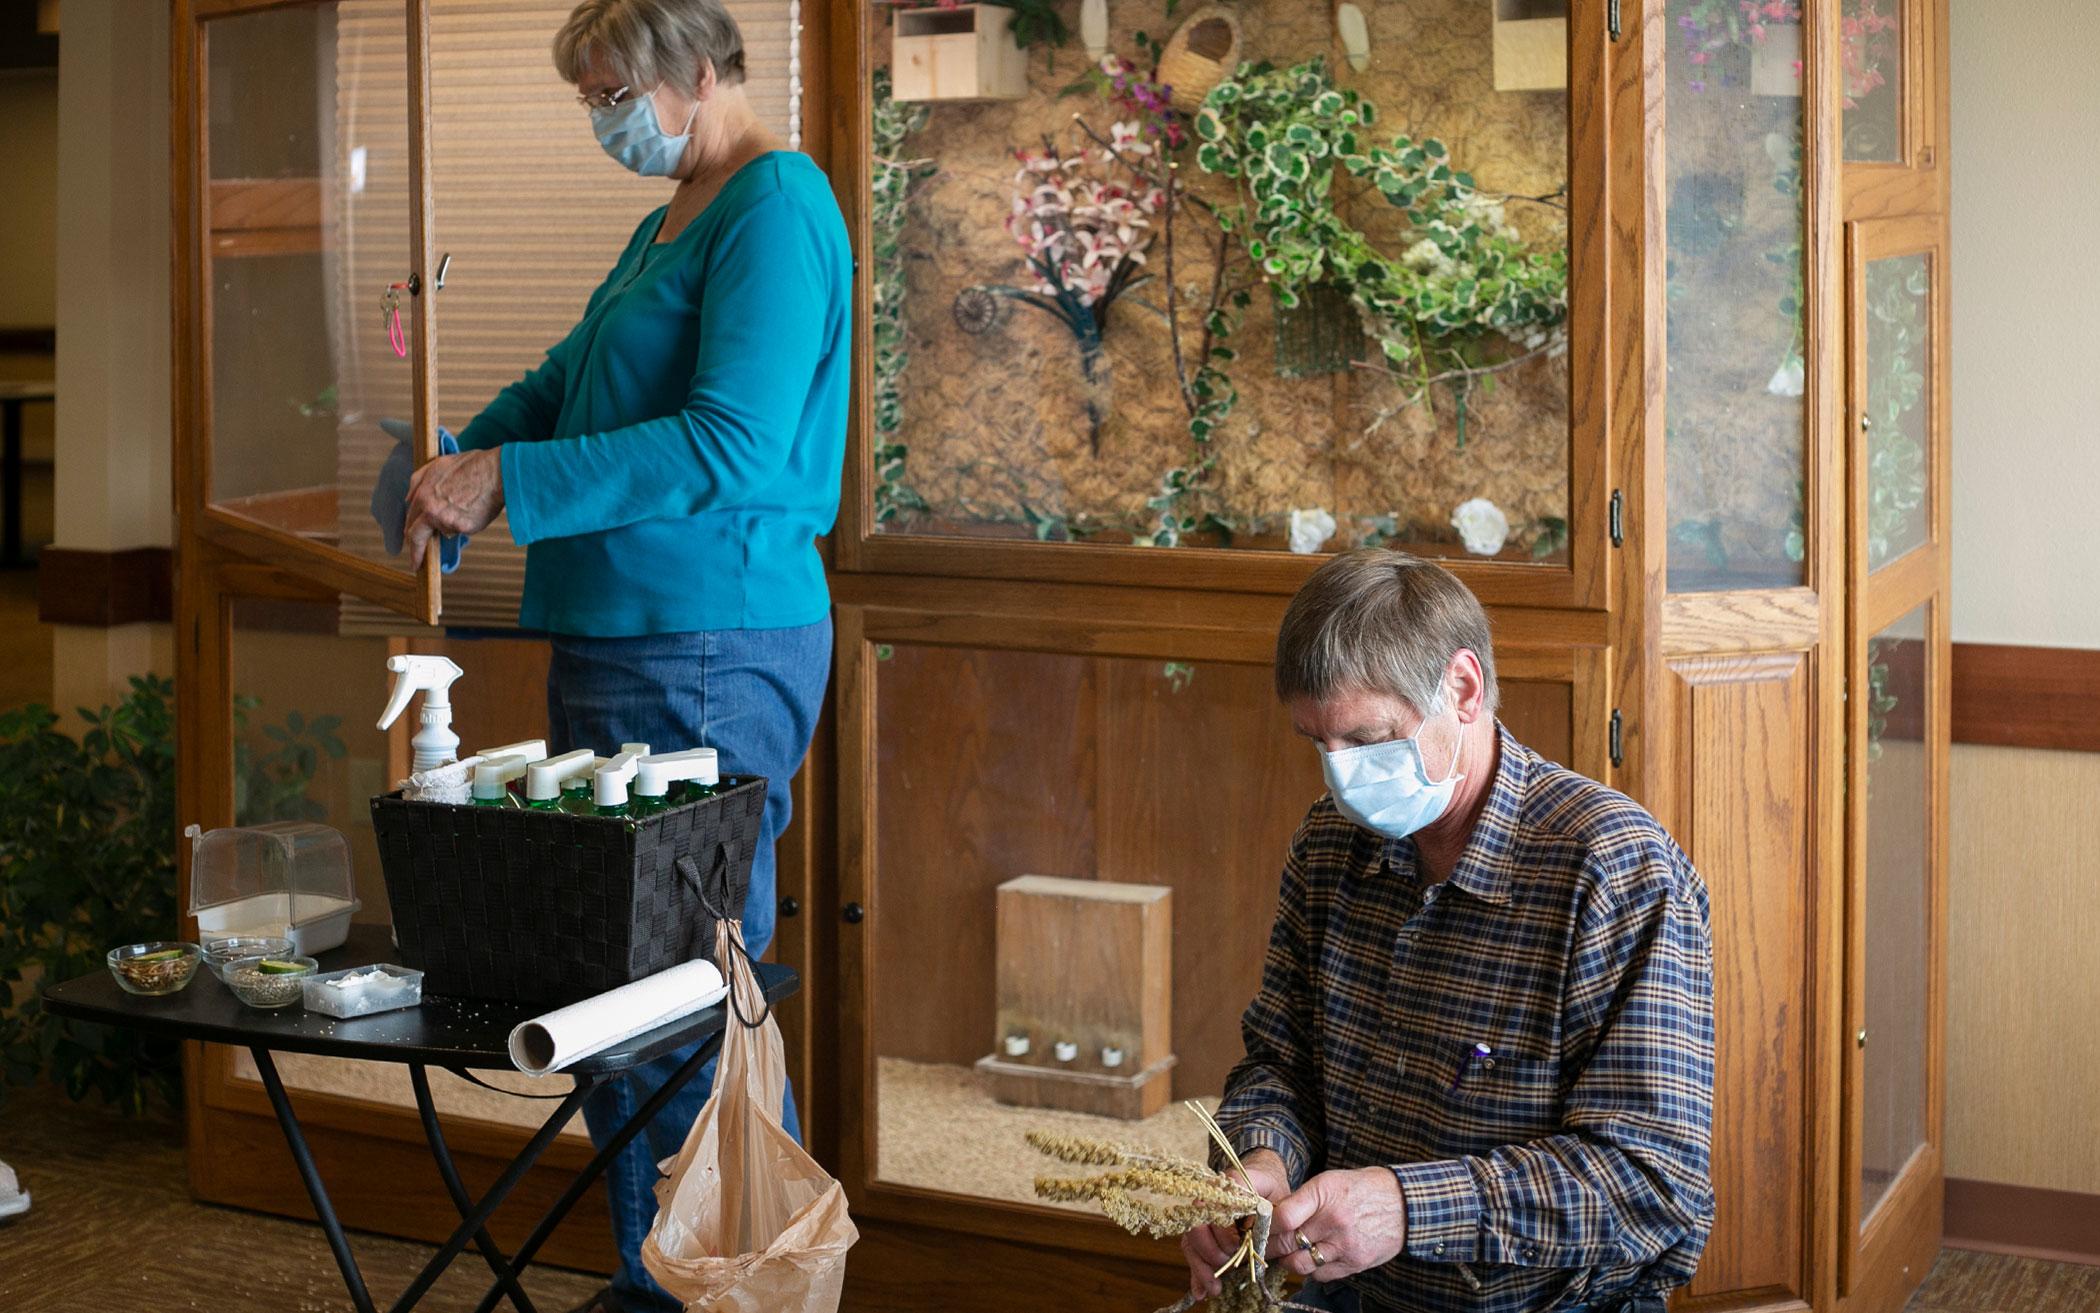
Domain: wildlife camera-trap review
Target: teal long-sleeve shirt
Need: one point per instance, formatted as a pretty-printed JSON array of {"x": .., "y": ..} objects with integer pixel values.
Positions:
[{"x": 670, "y": 464}]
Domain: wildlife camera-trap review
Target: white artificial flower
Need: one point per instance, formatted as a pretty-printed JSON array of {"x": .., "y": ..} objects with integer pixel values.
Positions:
[
  {"x": 1789, "y": 380},
  {"x": 1481, "y": 526},
  {"x": 1310, "y": 529},
  {"x": 1425, "y": 257}
]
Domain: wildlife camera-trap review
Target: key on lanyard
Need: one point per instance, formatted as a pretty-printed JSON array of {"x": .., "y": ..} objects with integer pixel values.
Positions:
[{"x": 390, "y": 314}]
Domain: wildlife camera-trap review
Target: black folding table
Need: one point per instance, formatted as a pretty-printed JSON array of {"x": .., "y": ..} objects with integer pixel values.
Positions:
[{"x": 457, "y": 1035}]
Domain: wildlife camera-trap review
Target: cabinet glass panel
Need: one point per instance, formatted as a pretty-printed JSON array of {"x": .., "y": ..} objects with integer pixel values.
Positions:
[
  {"x": 1871, "y": 42},
  {"x": 308, "y": 210},
  {"x": 1898, "y": 419},
  {"x": 1736, "y": 416},
  {"x": 1158, "y": 799},
  {"x": 1898, "y": 904},
  {"x": 306, "y": 700},
  {"x": 1150, "y": 300}
]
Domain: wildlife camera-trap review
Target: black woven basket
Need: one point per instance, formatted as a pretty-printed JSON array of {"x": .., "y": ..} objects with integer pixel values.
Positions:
[{"x": 543, "y": 907}]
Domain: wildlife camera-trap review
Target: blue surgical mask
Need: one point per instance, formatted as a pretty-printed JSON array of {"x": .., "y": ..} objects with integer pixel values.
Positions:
[
  {"x": 1385, "y": 788},
  {"x": 631, "y": 134}
]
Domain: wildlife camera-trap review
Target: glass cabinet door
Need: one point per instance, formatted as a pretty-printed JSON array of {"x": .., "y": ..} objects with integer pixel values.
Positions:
[
  {"x": 1736, "y": 413},
  {"x": 311, "y": 317},
  {"x": 1896, "y": 399},
  {"x": 1873, "y": 36},
  {"x": 1130, "y": 297}
]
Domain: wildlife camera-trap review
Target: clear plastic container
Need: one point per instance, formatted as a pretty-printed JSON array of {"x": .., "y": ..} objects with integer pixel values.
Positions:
[
  {"x": 362, "y": 991},
  {"x": 223, "y": 952},
  {"x": 288, "y": 878}
]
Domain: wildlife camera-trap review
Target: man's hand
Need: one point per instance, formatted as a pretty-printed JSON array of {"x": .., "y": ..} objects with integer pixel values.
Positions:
[
  {"x": 1356, "y": 1219},
  {"x": 453, "y": 495},
  {"x": 1208, "y": 1247}
]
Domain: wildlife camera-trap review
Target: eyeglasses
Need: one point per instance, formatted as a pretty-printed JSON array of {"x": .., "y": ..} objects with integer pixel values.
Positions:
[{"x": 603, "y": 99}]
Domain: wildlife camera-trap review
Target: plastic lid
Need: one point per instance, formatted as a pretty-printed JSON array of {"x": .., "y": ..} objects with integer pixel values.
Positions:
[
  {"x": 609, "y": 782},
  {"x": 543, "y": 779},
  {"x": 286, "y": 873},
  {"x": 638, "y": 749},
  {"x": 653, "y": 775},
  {"x": 530, "y": 749},
  {"x": 492, "y": 777}
]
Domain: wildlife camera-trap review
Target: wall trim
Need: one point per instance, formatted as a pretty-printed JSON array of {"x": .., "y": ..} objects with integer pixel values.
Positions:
[
  {"x": 100, "y": 590},
  {"x": 2058, "y": 1225},
  {"x": 2027, "y": 697}
]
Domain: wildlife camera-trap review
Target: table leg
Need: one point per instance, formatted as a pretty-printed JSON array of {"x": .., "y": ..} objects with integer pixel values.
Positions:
[
  {"x": 318, "y": 1193},
  {"x": 11, "y": 482},
  {"x": 603, "y": 1158},
  {"x": 478, "y": 1218},
  {"x": 506, "y": 1278}
]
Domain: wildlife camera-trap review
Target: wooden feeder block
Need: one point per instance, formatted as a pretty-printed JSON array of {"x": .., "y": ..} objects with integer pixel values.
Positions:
[
  {"x": 1086, "y": 996},
  {"x": 1203, "y": 52},
  {"x": 964, "y": 53},
  {"x": 1531, "y": 45}
]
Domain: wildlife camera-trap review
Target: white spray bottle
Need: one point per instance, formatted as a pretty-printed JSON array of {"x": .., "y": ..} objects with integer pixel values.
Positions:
[{"x": 434, "y": 744}]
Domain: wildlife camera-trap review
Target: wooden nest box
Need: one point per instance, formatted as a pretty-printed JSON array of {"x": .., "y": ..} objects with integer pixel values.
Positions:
[{"x": 1086, "y": 996}]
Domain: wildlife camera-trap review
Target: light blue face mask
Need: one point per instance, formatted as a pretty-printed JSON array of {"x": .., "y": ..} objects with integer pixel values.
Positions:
[
  {"x": 1385, "y": 788},
  {"x": 631, "y": 134}
]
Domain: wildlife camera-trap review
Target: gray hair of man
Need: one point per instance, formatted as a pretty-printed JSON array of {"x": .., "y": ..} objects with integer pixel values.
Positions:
[
  {"x": 651, "y": 42},
  {"x": 1381, "y": 621}
]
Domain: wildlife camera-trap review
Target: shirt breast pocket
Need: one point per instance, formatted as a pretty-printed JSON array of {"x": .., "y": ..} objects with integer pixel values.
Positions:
[{"x": 1500, "y": 1096}]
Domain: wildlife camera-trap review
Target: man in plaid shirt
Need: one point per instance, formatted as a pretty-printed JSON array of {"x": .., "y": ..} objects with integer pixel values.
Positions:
[{"x": 1479, "y": 1072}]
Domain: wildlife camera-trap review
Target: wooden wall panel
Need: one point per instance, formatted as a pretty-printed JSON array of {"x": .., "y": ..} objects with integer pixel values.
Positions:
[
  {"x": 1743, "y": 726},
  {"x": 1225, "y": 783},
  {"x": 984, "y": 768}
]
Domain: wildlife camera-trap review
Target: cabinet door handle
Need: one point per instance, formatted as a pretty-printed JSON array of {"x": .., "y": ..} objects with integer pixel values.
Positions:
[
  {"x": 790, "y": 907},
  {"x": 853, "y": 913}
]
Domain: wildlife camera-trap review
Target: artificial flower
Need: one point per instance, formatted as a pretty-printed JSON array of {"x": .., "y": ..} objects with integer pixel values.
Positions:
[
  {"x": 1481, "y": 526},
  {"x": 1310, "y": 529}
]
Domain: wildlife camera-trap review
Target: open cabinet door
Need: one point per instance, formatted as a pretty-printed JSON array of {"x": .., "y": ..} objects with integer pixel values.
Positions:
[
  {"x": 1898, "y": 730},
  {"x": 305, "y": 281}
]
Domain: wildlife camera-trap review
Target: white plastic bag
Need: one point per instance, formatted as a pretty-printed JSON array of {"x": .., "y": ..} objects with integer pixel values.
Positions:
[{"x": 746, "y": 1221}]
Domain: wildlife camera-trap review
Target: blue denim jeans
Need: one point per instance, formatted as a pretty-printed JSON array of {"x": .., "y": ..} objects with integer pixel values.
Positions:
[{"x": 753, "y": 695}]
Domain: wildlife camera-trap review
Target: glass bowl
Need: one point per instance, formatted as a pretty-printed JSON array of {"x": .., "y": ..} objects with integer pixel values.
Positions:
[
  {"x": 224, "y": 952},
  {"x": 163, "y": 966},
  {"x": 268, "y": 983}
]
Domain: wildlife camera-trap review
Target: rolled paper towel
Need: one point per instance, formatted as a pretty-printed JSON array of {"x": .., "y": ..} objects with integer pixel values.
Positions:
[
  {"x": 452, "y": 782},
  {"x": 554, "y": 1040}
]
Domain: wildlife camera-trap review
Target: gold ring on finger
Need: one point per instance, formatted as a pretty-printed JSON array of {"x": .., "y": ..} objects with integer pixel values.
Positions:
[{"x": 1319, "y": 1259}]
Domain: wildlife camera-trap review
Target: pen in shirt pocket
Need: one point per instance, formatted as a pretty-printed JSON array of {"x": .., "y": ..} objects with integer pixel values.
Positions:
[{"x": 1481, "y": 1056}]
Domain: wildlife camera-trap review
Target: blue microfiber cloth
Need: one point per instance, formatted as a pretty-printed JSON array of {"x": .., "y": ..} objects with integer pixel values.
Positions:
[{"x": 390, "y": 493}]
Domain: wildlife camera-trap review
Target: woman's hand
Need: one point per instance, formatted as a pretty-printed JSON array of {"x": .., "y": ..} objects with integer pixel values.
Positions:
[
  {"x": 453, "y": 495},
  {"x": 1208, "y": 1247}
]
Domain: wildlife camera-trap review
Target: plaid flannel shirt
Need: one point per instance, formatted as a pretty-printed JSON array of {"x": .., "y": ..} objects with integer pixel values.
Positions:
[{"x": 1567, "y": 1166}]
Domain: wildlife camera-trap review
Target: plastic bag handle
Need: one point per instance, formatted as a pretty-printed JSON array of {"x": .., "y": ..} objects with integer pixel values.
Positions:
[{"x": 729, "y": 935}]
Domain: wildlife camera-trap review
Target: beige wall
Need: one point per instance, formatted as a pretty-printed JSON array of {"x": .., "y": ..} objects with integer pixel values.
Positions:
[
  {"x": 29, "y": 219},
  {"x": 113, "y": 473},
  {"x": 2023, "y": 961}
]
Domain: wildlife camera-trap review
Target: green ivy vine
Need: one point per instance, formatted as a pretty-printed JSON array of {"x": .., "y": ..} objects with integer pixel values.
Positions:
[{"x": 892, "y": 179}]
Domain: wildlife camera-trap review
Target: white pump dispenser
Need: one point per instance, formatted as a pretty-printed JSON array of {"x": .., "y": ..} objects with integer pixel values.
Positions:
[
  {"x": 530, "y": 749},
  {"x": 609, "y": 782},
  {"x": 653, "y": 775},
  {"x": 434, "y": 744},
  {"x": 493, "y": 775},
  {"x": 543, "y": 780}
]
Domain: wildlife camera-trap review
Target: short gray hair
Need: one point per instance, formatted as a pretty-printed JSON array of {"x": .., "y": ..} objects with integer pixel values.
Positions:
[
  {"x": 651, "y": 42},
  {"x": 1381, "y": 621}
]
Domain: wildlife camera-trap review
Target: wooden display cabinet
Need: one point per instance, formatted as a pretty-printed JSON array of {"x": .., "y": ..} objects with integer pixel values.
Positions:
[{"x": 1075, "y": 707}]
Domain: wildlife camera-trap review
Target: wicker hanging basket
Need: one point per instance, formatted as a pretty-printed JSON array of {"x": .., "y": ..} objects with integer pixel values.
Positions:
[{"x": 1203, "y": 53}]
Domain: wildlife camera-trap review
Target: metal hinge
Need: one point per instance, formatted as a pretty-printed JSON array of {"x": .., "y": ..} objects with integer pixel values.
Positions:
[
  {"x": 1618, "y": 739},
  {"x": 1611, "y": 19},
  {"x": 1617, "y": 520}
]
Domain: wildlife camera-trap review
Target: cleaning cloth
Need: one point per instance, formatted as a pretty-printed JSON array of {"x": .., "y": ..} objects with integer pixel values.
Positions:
[{"x": 390, "y": 493}]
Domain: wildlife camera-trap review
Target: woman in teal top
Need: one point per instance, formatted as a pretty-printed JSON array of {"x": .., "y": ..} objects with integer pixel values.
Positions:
[{"x": 668, "y": 467}]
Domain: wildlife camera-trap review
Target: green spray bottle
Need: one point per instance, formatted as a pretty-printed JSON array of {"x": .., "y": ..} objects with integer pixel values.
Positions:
[
  {"x": 609, "y": 783},
  {"x": 654, "y": 776},
  {"x": 531, "y": 750},
  {"x": 493, "y": 778},
  {"x": 544, "y": 779}
]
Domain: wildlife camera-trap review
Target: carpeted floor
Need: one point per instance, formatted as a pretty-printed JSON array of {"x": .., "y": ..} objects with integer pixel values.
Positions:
[{"x": 113, "y": 1227}]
